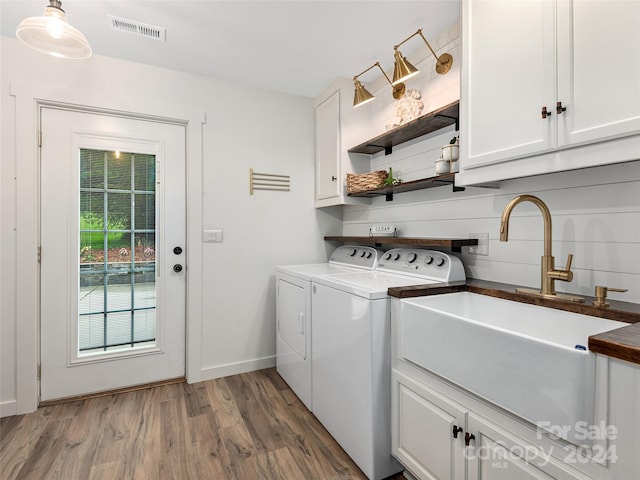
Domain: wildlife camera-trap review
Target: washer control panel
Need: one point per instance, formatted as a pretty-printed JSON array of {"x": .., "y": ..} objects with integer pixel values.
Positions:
[
  {"x": 431, "y": 264},
  {"x": 356, "y": 256}
]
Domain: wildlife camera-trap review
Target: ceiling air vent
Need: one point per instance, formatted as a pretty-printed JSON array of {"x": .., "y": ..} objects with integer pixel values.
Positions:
[{"x": 138, "y": 28}]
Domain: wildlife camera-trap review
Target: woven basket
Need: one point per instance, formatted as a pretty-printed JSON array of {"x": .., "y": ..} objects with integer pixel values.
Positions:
[{"x": 357, "y": 183}]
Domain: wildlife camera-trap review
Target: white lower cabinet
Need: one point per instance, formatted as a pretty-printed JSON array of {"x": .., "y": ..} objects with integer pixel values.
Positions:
[
  {"x": 423, "y": 437},
  {"x": 438, "y": 438}
]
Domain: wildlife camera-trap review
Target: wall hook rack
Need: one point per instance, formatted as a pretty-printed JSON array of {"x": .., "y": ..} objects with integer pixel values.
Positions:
[{"x": 268, "y": 181}]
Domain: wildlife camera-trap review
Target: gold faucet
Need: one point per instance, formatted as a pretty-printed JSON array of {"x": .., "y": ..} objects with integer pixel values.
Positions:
[{"x": 548, "y": 273}]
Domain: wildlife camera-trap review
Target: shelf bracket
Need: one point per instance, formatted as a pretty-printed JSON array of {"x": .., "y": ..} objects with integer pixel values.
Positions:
[
  {"x": 455, "y": 188},
  {"x": 455, "y": 119},
  {"x": 388, "y": 150},
  {"x": 388, "y": 197}
]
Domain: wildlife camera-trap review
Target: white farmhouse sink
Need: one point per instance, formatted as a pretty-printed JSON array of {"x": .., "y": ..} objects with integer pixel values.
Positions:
[{"x": 527, "y": 359}]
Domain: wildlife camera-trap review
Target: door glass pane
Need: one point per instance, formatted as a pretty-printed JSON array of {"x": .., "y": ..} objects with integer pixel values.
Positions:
[{"x": 117, "y": 230}]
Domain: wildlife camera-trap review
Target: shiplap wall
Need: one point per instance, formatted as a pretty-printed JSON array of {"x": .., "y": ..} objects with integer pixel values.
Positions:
[{"x": 595, "y": 212}]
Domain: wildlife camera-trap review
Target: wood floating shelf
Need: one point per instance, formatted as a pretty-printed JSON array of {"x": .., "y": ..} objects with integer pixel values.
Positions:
[
  {"x": 455, "y": 244},
  {"x": 423, "y": 125},
  {"x": 388, "y": 191}
]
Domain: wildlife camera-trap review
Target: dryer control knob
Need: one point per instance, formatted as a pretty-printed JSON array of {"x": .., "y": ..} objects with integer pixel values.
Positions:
[
  {"x": 363, "y": 254},
  {"x": 440, "y": 262},
  {"x": 353, "y": 252},
  {"x": 428, "y": 260},
  {"x": 412, "y": 257},
  {"x": 396, "y": 256},
  {"x": 387, "y": 256}
]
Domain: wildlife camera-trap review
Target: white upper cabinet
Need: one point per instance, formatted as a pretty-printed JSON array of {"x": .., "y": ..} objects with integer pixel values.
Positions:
[
  {"x": 598, "y": 70},
  {"x": 328, "y": 182},
  {"x": 548, "y": 85},
  {"x": 508, "y": 75},
  {"x": 339, "y": 127}
]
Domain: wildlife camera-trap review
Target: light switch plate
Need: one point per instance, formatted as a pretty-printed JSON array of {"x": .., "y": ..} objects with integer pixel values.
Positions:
[{"x": 212, "y": 236}]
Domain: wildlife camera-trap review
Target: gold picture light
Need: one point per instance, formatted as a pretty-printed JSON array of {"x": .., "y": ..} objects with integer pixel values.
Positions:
[
  {"x": 403, "y": 70},
  {"x": 362, "y": 95},
  {"x": 52, "y": 34}
]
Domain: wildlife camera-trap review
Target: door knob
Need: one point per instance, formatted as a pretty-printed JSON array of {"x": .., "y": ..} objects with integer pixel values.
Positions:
[
  {"x": 177, "y": 268},
  {"x": 177, "y": 250}
]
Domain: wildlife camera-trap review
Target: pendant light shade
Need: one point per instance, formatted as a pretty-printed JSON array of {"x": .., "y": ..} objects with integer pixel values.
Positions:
[
  {"x": 52, "y": 34},
  {"x": 402, "y": 70},
  {"x": 362, "y": 95}
]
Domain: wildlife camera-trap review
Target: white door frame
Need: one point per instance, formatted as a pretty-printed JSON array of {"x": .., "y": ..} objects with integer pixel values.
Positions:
[{"x": 29, "y": 99}]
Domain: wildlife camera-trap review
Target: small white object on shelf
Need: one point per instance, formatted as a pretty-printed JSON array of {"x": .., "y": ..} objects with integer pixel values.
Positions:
[
  {"x": 442, "y": 166},
  {"x": 383, "y": 231}
]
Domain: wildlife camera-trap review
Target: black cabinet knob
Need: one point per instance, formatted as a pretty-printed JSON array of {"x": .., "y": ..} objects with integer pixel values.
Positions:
[
  {"x": 456, "y": 430},
  {"x": 468, "y": 437}
]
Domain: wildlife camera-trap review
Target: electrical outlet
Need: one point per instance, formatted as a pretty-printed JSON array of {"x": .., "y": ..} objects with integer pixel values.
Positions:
[{"x": 483, "y": 244}]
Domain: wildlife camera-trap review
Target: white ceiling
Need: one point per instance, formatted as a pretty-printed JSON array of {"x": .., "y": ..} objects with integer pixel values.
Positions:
[{"x": 297, "y": 47}]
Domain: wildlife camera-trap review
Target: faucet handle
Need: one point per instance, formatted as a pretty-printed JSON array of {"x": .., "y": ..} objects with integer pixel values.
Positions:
[
  {"x": 569, "y": 260},
  {"x": 601, "y": 295},
  {"x": 566, "y": 275}
]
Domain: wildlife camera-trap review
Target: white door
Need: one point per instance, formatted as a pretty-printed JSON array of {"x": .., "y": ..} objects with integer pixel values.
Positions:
[{"x": 112, "y": 252}]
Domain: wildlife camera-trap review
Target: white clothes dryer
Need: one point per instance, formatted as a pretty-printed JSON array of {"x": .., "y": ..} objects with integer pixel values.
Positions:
[
  {"x": 293, "y": 312},
  {"x": 351, "y": 351}
]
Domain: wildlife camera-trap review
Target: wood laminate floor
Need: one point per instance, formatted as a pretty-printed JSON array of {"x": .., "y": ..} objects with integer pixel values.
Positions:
[{"x": 248, "y": 426}]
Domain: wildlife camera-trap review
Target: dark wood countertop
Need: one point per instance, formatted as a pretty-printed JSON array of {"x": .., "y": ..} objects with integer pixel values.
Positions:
[{"x": 622, "y": 343}]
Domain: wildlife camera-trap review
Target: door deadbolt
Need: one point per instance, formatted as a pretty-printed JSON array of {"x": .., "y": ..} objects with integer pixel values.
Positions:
[
  {"x": 177, "y": 268},
  {"x": 177, "y": 250}
]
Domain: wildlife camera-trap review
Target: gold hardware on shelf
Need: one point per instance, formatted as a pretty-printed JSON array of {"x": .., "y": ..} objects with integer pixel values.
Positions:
[
  {"x": 268, "y": 181},
  {"x": 601, "y": 295}
]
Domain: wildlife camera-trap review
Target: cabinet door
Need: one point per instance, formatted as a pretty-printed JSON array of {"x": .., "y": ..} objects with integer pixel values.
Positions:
[
  {"x": 598, "y": 70},
  {"x": 495, "y": 454},
  {"x": 328, "y": 182},
  {"x": 508, "y": 76},
  {"x": 422, "y": 434}
]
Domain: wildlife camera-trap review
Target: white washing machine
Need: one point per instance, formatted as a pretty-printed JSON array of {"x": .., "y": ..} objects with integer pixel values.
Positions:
[
  {"x": 351, "y": 352},
  {"x": 293, "y": 312}
]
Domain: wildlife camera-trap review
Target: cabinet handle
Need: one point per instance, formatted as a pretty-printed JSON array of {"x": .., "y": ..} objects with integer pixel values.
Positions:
[
  {"x": 456, "y": 430},
  {"x": 333, "y": 179},
  {"x": 468, "y": 437},
  {"x": 545, "y": 113},
  {"x": 560, "y": 108}
]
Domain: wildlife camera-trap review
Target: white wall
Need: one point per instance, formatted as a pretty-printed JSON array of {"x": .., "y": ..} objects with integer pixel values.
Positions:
[
  {"x": 244, "y": 128},
  {"x": 595, "y": 212}
]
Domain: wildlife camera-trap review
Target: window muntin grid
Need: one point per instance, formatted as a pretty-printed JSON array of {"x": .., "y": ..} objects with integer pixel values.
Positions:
[{"x": 117, "y": 289}]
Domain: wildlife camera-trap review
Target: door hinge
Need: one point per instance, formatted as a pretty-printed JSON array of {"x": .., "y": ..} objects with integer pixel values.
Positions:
[
  {"x": 39, "y": 254},
  {"x": 40, "y": 138},
  {"x": 39, "y": 371}
]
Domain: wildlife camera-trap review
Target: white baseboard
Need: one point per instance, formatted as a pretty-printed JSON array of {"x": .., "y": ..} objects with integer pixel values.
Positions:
[
  {"x": 211, "y": 373},
  {"x": 8, "y": 409}
]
